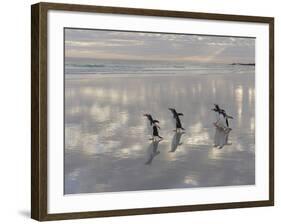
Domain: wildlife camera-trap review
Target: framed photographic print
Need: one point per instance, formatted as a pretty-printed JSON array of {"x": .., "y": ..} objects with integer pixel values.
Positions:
[{"x": 140, "y": 111}]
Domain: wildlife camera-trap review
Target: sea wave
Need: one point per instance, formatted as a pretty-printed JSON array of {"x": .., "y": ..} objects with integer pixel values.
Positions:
[
  {"x": 86, "y": 65},
  {"x": 152, "y": 68}
]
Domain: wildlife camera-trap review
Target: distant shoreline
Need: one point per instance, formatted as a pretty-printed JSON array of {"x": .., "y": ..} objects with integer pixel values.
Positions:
[{"x": 246, "y": 64}]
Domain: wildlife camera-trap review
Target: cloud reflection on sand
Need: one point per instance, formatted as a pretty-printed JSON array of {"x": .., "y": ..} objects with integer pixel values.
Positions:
[{"x": 106, "y": 141}]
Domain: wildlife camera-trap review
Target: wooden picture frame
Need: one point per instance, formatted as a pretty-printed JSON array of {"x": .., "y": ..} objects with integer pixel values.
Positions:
[{"x": 39, "y": 110}]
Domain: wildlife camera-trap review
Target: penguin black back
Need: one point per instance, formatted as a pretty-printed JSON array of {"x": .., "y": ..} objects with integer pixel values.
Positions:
[{"x": 177, "y": 118}]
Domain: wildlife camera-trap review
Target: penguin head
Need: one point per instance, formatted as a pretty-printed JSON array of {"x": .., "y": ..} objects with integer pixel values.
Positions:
[
  {"x": 172, "y": 109},
  {"x": 217, "y": 108}
]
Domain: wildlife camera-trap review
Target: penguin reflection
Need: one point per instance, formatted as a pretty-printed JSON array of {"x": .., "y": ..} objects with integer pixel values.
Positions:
[
  {"x": 152, "y": 151},
  {"x": 176, "y": 141}
]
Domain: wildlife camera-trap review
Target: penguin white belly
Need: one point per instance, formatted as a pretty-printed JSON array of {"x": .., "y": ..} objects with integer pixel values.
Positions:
[{"x": 221, "y": 132}]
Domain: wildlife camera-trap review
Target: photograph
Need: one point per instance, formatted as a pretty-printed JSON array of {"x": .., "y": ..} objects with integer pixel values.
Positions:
[{"x": 157, "y": 111}]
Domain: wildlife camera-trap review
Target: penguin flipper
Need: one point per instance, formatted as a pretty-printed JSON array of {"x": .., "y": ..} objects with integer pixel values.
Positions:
[{"x": 226, "y": 120}]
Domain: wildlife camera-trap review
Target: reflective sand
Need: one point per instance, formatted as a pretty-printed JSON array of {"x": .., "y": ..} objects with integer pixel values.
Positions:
[{"x": 107, "y": 147}]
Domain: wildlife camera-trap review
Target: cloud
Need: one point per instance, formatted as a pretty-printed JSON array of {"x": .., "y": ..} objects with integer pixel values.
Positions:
[
  {"x": 107, "y": 43},
  {"x": 157, "y": 46}
]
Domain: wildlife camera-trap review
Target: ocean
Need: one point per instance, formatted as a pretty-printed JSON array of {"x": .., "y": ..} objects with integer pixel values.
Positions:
[{"x": 78, "y": 66}]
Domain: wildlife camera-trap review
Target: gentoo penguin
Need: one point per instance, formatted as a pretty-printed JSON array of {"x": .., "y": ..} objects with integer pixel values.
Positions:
[
  {"x": 177, "y": 119},
  {"x": 222, "y": 127},
  {"x": 153, "y": 123}
]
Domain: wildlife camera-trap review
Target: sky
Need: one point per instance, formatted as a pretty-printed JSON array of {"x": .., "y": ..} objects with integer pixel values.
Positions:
[{"x": 122, "y": 45}]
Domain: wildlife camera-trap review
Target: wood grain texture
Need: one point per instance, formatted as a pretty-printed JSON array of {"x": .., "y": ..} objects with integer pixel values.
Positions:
[
  {"x": 271, "y": 111},
  {"x": 34, "y": 113},
  {"x": 38, "y": 112},
  {"x": 39, "y": 206}
]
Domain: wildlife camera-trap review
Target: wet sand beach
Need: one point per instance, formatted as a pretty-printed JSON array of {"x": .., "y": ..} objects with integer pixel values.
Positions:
[{"x": 107, "y": 146}]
